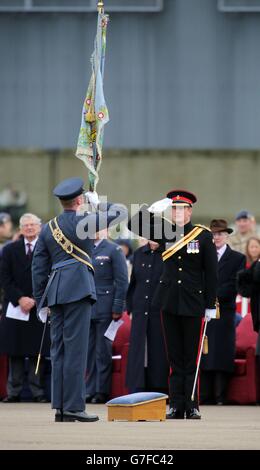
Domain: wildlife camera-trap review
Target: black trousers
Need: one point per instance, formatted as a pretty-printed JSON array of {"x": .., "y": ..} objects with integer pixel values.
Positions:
[
  {"x": 182, "y": 335},
  {"x": 17, "y": 373},
  {"x": 214, "y": 386}
]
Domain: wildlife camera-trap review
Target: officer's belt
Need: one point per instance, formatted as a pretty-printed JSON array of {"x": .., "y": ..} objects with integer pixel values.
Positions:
[
  {"x": 68, "y": 246},
  {"x": 181, "y": 243},
  {"x": 64, "y": 263}
]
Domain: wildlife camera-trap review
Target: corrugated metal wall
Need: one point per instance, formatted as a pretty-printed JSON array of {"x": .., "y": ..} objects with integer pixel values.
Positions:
[{"x": 188, "y": 77}]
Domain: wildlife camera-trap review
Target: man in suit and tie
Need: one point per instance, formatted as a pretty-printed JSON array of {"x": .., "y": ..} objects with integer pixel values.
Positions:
[
  {"x": 64, "y": 251},
  {"x": 20, "y": 339},
  {"x": 218, "y": 364}
]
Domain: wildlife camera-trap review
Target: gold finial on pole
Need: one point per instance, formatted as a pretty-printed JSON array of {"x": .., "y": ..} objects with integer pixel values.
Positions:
[{"x": 100, "y": 7}]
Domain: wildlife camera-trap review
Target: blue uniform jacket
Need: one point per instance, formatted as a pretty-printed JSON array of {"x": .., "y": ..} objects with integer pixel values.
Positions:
[
  {"x": 111, "y": 279},
  {"x": 76, "y": 281}
]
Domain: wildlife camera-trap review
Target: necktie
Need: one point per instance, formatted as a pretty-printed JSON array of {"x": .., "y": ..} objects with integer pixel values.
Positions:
[{"x": 29, "y": 250}]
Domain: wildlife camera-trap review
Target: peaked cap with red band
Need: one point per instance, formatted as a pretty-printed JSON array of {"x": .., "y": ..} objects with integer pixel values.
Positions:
[{"x": 181, "y": 197}]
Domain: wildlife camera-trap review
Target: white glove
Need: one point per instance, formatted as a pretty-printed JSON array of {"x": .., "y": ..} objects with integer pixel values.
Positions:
[
  {"x": 43, "y": 314},
  {"x": 210, "y": 313},
  {"x": 160, "y": 206},
  {"x": 93, "y": 199}
]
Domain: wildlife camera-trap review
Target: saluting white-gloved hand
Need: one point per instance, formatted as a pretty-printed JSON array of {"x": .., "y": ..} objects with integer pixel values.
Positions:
[
  {"x": 210, "y": 313},
  {"x": 93, "y": 199},
  {"x": 43, "y": 314},
  {"x": 160, "y": 206}
]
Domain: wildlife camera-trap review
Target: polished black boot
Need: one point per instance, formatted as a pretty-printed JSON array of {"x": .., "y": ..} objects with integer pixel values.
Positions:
[
  {"x": 175, "y": 413},
  {"x": 193, "y": 413}
]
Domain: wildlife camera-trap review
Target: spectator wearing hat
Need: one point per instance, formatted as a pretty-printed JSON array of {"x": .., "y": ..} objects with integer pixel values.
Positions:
[
  {"x": 218, "y": 364},
  {"x": 245, "y": 228},
  {"x": 147, "y": 366},
  {"x": 20, "y": 339},
  {"x": 187, "y": 290}
]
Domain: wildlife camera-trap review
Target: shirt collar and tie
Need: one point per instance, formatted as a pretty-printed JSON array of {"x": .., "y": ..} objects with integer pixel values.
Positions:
[
  {"x": 221, "y": 251},
  {"x": 29, "y": 246}
]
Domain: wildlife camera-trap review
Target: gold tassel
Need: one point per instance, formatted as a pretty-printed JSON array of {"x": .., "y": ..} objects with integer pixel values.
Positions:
[
  {"x": 205, "y": 345},
  {"x": 217, "y": 310}
]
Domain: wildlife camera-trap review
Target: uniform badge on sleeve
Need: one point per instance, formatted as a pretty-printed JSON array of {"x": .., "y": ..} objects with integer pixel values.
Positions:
[{"x": 193, "y": 247}]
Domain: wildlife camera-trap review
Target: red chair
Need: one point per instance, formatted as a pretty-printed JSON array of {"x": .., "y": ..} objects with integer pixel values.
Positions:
[
  {"x": 120, "y": 353},
  {"x": 3, "y": 375},
  {"x": 243, "y": 386}
]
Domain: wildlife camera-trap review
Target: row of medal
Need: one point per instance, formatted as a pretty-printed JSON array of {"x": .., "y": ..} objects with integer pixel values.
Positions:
[{"x": 193, "y": 247}]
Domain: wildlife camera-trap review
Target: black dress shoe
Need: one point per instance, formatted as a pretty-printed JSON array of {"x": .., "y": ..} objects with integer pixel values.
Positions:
[
  {"x": 99, "y": 398},
  {"x": 40, "y": 399},
  {"x": 11, "y": 399},
  {"x": 193, "y": 413},
  {"x": 59, "y": 416},
  {"x": 175, "y": 413},
  {"x": 72, "y": 416},
  {"x": 88, "y": 398}
]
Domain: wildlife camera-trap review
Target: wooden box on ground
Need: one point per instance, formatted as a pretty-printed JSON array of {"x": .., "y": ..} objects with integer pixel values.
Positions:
[{"x": 145, "y": 406}]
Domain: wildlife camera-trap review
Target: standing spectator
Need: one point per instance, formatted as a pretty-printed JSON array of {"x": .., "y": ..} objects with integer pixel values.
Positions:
[
  {"x": 6, "y": 229},
  {"x": 245, "y": 229},
  {"x": 111, "y": 283},
  {"x": 147, "y": 367},
  {"x": 126, "y": 246},
  {"x": 20, "y": 339},
  {"x": 218, "y": 364}
]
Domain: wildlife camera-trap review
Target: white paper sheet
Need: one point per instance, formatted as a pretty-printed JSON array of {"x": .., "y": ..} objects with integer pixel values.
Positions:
[
  {"x": 16, "y": 313},
  {"x": 111, "y": 331}
]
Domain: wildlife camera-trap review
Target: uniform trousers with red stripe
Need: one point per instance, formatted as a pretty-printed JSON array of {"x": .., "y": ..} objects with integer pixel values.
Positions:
[{"x": 182, "y": 336}]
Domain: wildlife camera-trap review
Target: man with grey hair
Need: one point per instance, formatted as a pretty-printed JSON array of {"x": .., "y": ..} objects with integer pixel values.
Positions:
[{"x": 21, "y": 338}]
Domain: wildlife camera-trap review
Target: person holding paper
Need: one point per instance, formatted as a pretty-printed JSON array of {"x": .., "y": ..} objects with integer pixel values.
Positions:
[
  {"x": 111, "y": 280},
  {"x": 20, "y": 338}
]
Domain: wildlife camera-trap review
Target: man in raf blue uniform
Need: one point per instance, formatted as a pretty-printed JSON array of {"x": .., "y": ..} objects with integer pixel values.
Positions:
[
  {"x": 187, "y": 290},
  {"x": 63, "y": 255},
  {"x": 111, "y": 280}
]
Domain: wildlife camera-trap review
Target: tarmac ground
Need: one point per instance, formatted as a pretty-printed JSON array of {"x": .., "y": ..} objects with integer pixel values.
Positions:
[{"x": 30, "y": 426}]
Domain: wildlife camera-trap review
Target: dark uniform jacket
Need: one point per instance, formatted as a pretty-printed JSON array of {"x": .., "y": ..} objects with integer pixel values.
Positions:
[
  {"x": 221, "y": 332},
  {"x": 189, "y": 280},
  {"x": 146, "y": 322},
  {"x": 17, "y": 337},
  {"x": 111, "y": 279},
  {"x": 75, "y": 281}
]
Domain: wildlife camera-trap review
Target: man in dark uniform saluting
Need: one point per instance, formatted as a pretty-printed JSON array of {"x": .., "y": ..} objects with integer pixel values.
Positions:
[
  {"x": 64, "y": 251},
  {"x": 187, "y": 290}
]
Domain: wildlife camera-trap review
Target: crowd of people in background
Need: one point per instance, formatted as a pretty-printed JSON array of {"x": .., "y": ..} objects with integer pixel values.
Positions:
[{"x": 127, "y": 275}]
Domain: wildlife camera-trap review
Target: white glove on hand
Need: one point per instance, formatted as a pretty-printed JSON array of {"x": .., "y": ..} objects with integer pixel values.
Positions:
[
  {"x": 93, "y": 199},
  {"x": 43, "y": 314},
  {"x": 160, "y": 206},
  {"x": 210, "y": 313}
]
